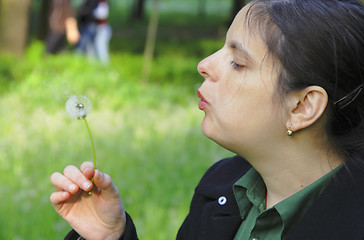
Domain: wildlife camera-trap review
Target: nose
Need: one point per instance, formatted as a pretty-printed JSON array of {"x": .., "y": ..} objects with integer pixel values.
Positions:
[
  {"x": 205, "y": 66},
  {"x": 202, "y": 67}
]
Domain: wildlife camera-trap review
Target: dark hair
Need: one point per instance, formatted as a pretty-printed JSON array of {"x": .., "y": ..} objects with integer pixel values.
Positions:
[{"x": 320, "y": 42}]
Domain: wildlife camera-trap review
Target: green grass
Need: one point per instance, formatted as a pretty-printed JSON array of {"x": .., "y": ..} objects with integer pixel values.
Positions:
[{"x": 147, "y": 136}]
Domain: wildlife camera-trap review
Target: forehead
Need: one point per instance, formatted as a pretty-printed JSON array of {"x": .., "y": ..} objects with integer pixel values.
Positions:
[{"x": 246, "y": 40}]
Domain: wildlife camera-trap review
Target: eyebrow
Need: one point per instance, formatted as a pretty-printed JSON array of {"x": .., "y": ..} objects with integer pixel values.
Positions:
[{"x": 239, "y": 47}]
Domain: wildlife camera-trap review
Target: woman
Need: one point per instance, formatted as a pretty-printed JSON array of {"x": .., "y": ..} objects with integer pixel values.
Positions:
[
  {"x": 62, "y": 27},
  {"x": 285, "y": 93},
  {"x": 95, "y": 31}
]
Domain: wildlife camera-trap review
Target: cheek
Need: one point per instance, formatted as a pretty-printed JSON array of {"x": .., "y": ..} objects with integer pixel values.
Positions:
[{"x": 247, "y": 111}]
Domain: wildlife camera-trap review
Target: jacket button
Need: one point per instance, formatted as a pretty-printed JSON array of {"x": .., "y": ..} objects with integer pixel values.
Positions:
[{"x": 222, "y": 200}]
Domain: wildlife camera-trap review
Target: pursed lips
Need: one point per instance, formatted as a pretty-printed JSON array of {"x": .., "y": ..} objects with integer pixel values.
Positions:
[{"x": 203, "y": 103}]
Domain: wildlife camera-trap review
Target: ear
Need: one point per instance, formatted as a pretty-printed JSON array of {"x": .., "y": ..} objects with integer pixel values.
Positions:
[{"x": 307, "y": 106}]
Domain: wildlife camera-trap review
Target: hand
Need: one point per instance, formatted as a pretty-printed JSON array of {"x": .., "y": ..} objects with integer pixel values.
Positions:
[
  {"x": 73, "y": 37},
  {"x": 99, "y": 215},
  {"x": 72, "y": 33}
]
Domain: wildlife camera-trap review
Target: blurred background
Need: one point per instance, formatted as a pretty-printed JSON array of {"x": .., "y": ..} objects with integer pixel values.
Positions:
[{"x": 145, "y": 120}]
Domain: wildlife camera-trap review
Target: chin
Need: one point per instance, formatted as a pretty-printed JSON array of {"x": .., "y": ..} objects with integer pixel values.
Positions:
[
  {"x": 206, "y": 133},
  {"x": 206, "y": 129},
  {"x": 211, "y": 133}
]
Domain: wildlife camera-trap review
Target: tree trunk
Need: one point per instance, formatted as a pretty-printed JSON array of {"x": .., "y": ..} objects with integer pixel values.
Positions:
[
  {"x": 150, "y": 42},
  {"x": 42, "y": 24},
  {"x": 14, "y": 20},
  {"x": 137, "y": 12},
  {"x": 202, "y": 8}
]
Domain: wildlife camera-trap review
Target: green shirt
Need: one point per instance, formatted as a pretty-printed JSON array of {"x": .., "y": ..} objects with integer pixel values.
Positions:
[{"x": 273, "y": 223}]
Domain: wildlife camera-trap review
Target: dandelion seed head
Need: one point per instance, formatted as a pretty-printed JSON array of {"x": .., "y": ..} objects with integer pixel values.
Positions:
[{"x": 78, "y": 106}]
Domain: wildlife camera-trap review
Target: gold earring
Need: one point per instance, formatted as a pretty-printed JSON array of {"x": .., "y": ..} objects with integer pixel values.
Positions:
[{"x": 289, "y": 132}]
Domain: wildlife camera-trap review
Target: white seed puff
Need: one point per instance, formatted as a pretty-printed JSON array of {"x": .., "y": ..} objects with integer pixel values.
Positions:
[{"x": 78, "y": 106}]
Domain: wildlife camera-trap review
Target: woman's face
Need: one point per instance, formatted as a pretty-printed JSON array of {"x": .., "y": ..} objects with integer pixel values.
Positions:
[{"x": 238, "y": 90}]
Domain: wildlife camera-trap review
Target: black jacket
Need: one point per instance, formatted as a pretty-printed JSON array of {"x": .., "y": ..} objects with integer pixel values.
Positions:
[
  {"x": 337, "y": 214},
  {"x": 84, "y": 13}
]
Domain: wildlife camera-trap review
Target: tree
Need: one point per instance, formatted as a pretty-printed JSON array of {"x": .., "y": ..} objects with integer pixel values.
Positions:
[
  {"x": 14, "y": 21},
  {"x": 42, "y": 23},
  {"x": 150, "y": 42},
  {"x": 202, "y": 8},
  {"x": 137, "y": 12}
]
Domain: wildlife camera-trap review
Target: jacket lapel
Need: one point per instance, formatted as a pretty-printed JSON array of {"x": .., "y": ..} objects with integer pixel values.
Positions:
[{"x": 338, "y": 213}]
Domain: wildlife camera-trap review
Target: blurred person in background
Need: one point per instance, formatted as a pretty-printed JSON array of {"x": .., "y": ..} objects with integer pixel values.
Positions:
[
  {"x": 285, "y": 94},
  {"x": 62, "y": 27},
  {"x": 95, "y": 31}
]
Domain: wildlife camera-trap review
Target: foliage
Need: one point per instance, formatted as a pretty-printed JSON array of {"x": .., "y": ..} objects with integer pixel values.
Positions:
[{"x": 147, "y": 136}]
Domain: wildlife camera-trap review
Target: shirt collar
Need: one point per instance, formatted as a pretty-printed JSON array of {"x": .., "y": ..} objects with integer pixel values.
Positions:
[
  {"x": 250, "y": 191},
  {"x": 294, "y": 207}
]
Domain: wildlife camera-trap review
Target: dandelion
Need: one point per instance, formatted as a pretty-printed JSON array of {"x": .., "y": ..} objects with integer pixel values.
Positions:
[{"x": 79, "y": 107}]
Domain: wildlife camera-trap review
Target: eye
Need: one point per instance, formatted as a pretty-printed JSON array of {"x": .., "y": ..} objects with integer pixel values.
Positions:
[{"x": 236, "y": 66}]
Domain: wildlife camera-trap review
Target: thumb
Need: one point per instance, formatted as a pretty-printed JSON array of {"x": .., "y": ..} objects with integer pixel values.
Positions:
[{"x": 107, "y": 188}]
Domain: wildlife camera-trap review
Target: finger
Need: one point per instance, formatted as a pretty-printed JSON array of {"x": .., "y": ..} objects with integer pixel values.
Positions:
[
  {"x": 57, "y": 199},
  {"x": 106, "y": 186},
  {"x": 62, "y": 183},
  {"x": 75, "y": 175},
  {"x": 86, "y": 165},
  {"x": 87, "y": 168}
]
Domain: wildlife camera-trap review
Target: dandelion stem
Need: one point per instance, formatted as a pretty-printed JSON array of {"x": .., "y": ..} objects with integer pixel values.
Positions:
[{"x": 92, "y": 142}]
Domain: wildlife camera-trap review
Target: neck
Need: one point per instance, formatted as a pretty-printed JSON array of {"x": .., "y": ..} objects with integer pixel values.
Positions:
[{"x": 292, "y": 169}]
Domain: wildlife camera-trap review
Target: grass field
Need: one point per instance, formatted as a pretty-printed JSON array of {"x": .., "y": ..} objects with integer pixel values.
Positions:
[{"x": 147, "y": 136}]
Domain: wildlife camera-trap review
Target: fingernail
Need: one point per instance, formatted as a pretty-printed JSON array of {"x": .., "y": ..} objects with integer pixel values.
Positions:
[
  {"x": 73, "y": 187},
  {"x": 86, "y": 185},
  {"x": 98, "y": 174}
]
